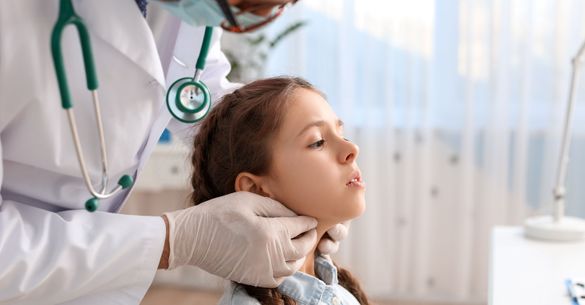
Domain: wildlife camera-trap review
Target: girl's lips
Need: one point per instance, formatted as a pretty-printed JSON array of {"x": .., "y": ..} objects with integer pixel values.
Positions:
[
  {"x": 358, "y": 184},
  {"x": 355, "y": 180}
]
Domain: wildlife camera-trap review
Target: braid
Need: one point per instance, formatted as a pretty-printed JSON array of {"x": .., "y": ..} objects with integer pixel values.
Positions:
[
  {"x": 269, "y": 296},
  {"x": 201, "y": 181},
  {"x": 349, "y": 282}
]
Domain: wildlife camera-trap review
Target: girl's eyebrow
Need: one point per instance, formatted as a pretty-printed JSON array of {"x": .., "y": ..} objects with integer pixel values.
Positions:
[{"x": 318, "y": 123}]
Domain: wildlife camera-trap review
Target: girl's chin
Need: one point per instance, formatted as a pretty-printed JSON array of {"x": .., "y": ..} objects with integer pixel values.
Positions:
[{"x": 348, "y": 214}]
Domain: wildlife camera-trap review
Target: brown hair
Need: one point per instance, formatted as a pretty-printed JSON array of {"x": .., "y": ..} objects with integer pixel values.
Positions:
[{"x": 235, "y": 137}]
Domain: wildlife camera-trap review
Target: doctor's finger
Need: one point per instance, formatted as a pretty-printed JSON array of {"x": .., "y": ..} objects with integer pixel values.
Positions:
[
  {"x": 296, "y": 265},
  {"x": 339, "y": 231},
  {"x": 266, "y": 207},
  {"x": 289, "y": 268},
  {"x": 301, "y": 246},
  {"x": 328, "y": 246},
  {"x": 297, "y": 225}
]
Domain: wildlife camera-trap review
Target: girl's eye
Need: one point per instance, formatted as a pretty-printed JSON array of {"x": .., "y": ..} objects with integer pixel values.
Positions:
[{"x": 317, "y": 144}]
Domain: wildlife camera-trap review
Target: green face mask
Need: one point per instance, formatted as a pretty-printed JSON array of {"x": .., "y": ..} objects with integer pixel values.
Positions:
[{"x": 206, "y": 13}]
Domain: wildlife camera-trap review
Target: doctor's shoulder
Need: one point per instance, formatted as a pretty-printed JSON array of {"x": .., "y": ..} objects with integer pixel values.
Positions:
[{"x": 235, "y": 294}]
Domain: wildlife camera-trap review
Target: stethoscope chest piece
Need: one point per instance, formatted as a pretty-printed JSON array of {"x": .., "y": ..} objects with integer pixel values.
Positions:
[{"x": 188, "y": 100}]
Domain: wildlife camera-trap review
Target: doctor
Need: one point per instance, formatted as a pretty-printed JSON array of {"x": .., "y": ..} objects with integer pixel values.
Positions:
[{"x": 53, "y": 251}]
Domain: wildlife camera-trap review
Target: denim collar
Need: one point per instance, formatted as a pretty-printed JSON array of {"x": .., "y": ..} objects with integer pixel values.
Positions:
[{"x": 307, "y": 289}]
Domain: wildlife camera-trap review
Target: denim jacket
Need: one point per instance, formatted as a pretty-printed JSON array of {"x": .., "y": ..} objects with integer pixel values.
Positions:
[{"x": 303, "y": 288}]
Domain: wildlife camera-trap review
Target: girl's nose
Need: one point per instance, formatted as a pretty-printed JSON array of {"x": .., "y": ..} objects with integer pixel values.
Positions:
[{"x": 350, "y": 152}]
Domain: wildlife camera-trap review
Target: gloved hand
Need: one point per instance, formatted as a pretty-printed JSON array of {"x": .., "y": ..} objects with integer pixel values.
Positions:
[
  {"x": 242, "y": 237},
  {"x": 336, "y": 234}
]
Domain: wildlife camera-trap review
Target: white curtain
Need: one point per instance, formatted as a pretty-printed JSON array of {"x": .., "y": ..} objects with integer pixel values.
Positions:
[{"x": 457, "y": 107}]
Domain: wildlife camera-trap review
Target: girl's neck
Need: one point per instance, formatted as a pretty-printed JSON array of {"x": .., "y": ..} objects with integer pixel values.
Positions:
[{"x": 309, "y": 266}]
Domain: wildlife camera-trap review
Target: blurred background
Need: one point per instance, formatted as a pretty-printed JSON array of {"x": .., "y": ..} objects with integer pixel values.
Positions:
[{"x": 457, "y": 107}]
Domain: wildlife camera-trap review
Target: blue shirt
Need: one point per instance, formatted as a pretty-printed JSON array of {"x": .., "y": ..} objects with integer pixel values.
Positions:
[{"x": 303, "y": 288}]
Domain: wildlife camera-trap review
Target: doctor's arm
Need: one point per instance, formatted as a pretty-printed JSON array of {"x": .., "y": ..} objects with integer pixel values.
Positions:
[{"x": 98, "y": 258}]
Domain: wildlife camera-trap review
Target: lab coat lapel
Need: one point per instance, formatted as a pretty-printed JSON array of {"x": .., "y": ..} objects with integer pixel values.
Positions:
[{"x": 123, "y": 19}]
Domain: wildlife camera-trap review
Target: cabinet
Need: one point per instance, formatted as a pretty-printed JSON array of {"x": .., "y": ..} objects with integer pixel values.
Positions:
[{"x": 168, "y": 168}]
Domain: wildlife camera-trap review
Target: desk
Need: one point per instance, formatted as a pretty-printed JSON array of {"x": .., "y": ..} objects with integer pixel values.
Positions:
[{"x": 525, "y": 271}]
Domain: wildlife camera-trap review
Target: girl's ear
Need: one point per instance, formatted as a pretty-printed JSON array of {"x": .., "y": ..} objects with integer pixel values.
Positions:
[{"x": 248, "y": 182}]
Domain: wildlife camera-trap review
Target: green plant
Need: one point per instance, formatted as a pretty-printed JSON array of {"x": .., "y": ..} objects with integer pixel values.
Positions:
[{"x": 249, "y": 55}]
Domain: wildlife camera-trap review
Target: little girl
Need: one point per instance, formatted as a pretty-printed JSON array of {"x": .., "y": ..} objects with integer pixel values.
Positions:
[{"x": 279, "y": 138}]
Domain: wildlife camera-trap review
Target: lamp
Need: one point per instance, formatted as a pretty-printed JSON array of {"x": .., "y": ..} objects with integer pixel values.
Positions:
[{"x": 559, "y": 227}]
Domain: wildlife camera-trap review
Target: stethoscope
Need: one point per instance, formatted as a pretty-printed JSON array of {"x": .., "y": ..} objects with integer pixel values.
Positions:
[{"x": 187, "y": 99}]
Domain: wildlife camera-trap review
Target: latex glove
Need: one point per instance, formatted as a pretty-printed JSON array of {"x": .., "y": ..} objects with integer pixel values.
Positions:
[
  {"x": 242, "y": 237},
  {"x": 330, "y": 244}
]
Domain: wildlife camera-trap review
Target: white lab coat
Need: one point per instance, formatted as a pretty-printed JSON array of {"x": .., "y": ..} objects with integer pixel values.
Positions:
[{"x": 52, "y": 251}]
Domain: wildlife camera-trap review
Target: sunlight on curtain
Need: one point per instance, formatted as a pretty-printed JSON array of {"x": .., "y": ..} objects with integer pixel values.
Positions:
[{"x": 457, "y": 108}]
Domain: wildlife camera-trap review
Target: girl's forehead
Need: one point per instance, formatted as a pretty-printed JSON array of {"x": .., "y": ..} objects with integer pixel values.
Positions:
[
  {"x": 305, "y": 108},
  {"x": 306, "y": 104}
]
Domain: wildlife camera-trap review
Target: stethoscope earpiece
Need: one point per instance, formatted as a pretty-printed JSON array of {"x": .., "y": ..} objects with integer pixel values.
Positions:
[
  {"x": 92, "y": 204},
  {"x": 125, "y": 181}
]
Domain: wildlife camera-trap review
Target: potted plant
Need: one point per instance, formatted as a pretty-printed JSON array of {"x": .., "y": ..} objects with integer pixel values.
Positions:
[{"x": 249, "y": 53}]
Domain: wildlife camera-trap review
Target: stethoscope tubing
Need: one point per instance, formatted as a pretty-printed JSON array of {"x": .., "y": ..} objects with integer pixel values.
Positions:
[
  {"x": 103, "y": 194},
  {"x": 67, "y": 16}
]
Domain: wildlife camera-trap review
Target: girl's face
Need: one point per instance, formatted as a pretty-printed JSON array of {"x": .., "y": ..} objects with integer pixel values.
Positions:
[{"x": 314, "y": 170}]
